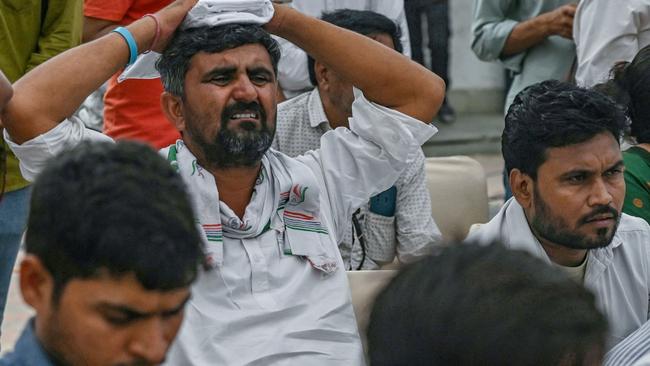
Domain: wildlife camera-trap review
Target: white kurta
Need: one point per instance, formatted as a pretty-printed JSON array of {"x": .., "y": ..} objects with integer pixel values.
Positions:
[
  {"x": 618, "y": 275},
  {"x": 606, "y": 32},
  {"x": 263, "y": 307}
]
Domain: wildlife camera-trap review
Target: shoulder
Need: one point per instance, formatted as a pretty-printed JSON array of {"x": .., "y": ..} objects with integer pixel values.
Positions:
[
  {"x": 633, "y": 229},
  {"x": 293, "y": 106}
]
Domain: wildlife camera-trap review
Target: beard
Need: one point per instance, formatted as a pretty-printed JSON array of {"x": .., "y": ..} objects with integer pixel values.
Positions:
[
  {"x": 556, "y": 230},
  {"x": 228, "y": 148}
]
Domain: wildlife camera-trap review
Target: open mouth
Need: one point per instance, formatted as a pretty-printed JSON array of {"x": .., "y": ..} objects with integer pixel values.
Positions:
[{"x": 245, "y": 115}]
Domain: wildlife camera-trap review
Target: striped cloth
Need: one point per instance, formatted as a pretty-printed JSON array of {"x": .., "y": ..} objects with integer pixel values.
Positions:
[{"x": 634, "y": 350}]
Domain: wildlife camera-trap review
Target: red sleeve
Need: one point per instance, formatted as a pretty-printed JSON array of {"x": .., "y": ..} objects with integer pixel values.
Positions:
[{"x": 113, "y": 10}]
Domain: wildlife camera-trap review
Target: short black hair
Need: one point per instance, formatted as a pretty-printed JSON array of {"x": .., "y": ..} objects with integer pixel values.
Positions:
[
  {"x": 175, "y": 60},
  {"x": 116, "y": 209},
  {"x": 484, "y": 305},
  {"x": 629, "y": 85},
  {"x": 364, "y": 22},
  {"x": 555, "y": 114}
]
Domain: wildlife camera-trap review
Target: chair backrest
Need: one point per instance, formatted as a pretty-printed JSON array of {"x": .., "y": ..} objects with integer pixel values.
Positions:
[
  {"x": 364, "y": 287},
  {"x": 458, "y": 190}
]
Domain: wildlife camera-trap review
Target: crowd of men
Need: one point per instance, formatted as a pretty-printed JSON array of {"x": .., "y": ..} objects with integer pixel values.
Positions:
[{"x": 231, "y": 244}]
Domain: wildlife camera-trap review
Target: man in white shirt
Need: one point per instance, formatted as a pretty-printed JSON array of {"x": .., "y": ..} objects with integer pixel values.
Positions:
[
  {"x": 561, "y": 149},
  {"x": 292, "y": 70},
  {"x": 606, "y": 32},
  {"x": 398, "y": 220},
  {"x": 278, "y": 292}
]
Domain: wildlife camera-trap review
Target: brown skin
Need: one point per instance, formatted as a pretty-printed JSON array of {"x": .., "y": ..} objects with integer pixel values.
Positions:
[
  {"x": 103, "y": 320},
  {"x": 96, "y": 28},
  {"x": 336, "y": 93},
  {"x": 573, "y": 181},
  {"x": 529, "y": 33},
  {"x": 210, "y": 85}
]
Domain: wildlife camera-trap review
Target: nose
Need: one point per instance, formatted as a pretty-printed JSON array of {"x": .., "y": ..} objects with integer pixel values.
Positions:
[
  {"x": 600, "y": 194},
  {"x": 150, "y": 343},
  {"x": 244, "y": 90}
]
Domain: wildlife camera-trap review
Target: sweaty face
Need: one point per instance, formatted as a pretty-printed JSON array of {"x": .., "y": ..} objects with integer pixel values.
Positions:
[
  {"x": 229, "y": 106},
  {"x": 106, "y": 321},
  {"x": 578, "y": 195}
]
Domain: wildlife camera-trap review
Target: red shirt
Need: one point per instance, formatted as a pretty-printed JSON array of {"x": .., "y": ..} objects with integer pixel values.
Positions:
[{"x": 132, "y": 108}]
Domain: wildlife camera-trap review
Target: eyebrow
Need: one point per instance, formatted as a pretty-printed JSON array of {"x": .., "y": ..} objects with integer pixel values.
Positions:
[
  {"x": 261, "y": 70},
  {"x": 618, "y": 164},
  {"x": 135, "y": 314}
]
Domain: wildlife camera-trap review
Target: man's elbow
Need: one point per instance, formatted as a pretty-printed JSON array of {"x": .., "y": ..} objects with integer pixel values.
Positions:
[{"x": 430, "y": 99}]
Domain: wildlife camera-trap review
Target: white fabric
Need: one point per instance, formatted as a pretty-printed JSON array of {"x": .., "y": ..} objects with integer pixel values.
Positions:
[
  {"x": 618, "y": 275},
  {"x": 411, "y": 232},
  {"x": 205, "y": 13},
  {"x": 293, "y": 75},
  {"x": 606, "y": 32},
  {"x": 263, "y": 307}
]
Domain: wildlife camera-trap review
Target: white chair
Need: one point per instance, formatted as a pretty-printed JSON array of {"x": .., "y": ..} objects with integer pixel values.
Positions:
[
  {"x": 364, "y": 287},
  {"x": 458, "y": 189}
]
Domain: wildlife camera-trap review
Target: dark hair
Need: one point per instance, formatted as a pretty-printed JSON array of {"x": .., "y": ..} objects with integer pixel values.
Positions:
[
  {"x": 117, "y": 209},
  {"x": 555, "y": 114},
  {"x": 175, "y": 60},
  {"x": 484, "y": 305},
  {"x": 629, "y": 85},
  {"x": 364, "y": 22}
]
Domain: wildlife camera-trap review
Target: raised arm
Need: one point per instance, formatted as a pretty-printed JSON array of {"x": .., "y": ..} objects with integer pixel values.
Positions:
[
  {"x": 55, "y": 89},
  {"x": 385, "y": 76}
]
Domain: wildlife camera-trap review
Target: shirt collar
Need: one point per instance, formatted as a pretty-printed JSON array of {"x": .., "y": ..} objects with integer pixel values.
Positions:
[
  {"x": 29, "y": 350},
  {"x": 316, "y": 111}
]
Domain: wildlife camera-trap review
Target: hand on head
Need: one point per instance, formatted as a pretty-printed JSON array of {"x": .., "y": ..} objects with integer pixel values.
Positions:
[{"x": 170, "y": 17}]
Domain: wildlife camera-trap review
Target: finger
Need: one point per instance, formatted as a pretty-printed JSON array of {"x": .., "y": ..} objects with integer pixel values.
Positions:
[{"x": 569, "y": 10}]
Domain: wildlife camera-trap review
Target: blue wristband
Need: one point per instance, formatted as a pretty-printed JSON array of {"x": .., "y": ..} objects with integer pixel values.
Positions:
[{"x": 130, "y": 41}]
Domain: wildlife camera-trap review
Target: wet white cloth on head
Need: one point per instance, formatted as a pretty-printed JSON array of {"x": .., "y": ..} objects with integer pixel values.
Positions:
[{"x": 205, "y": 13}]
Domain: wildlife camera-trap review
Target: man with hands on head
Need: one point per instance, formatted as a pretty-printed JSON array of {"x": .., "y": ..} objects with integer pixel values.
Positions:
[{"x": 278, "y": 292}]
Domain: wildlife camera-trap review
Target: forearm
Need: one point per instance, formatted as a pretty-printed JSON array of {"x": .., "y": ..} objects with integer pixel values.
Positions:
[
  {"x": 385, "y": 77},
  {"x": 525, "y": 35},
  {"x": 54, "y": 90}
]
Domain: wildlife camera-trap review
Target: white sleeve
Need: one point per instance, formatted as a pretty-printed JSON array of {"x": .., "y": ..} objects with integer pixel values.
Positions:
[
  {"x": 35, "y": 153},
  {"x": 293, "y": 74},
  {"x": 358, "y": 163},
  {"x": 600, "y": 45}
]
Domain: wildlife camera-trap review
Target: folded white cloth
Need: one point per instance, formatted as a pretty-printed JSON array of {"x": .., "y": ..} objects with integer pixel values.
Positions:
[{"x": 205, "y": 13}]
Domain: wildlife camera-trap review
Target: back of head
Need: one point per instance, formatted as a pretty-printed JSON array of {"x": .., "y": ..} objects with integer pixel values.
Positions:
[
  {"x": 116, "y": 209},
  {"x": 555, "y": 114},
  {"x": 629, "y": 85},
  {"x": 175, "y": 60},
  {"x": 484, "y": 305},
  {"x": 364, "y": 22}
]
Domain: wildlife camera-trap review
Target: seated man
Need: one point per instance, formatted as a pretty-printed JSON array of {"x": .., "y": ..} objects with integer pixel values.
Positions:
[
  {"x": 397, "y": 221},
  {"x": 561, "y": 149},
  {"x": 278, "y": 293},
  {"x": 109, "y": 260},
  {"x": 475, "y": 305}
]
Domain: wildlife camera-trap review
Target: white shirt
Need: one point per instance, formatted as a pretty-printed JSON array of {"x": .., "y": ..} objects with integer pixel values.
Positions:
[
  {"x": 618, "y": 275},
  {"x": 262, "y": 307},
  {"x": 410, "y": 233},
  {"x": 293, "y": 74},
  {"x": 632, "y": 351},
  {"x": 606, "y": 32}
]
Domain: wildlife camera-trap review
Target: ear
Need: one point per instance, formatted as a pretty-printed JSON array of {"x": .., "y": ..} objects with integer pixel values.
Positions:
[
  {"x": 521, "y": 185},
  {"x": 36, "y": 283},
  {"x": 322, "y": 75},
  {"x": 172, "y": 107}
]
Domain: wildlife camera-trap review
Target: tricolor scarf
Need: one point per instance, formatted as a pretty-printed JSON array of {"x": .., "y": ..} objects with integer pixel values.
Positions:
[{"x": 286, "y": 198}]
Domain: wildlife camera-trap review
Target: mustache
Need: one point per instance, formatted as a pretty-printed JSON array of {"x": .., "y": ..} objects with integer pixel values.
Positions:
[
  {"x": 600, "y": 210},
  {"x": 240, "y": 107}
]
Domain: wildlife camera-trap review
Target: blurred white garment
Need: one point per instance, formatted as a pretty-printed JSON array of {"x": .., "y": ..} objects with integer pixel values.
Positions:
[{"x": 606, "y": 32}]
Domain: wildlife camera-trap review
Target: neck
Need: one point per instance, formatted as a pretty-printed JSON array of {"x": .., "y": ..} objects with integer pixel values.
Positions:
[
  {"x": 236, "y": 185},
  {"x": 562, "y": 255},
  {"x": 335, "y": 117}
]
